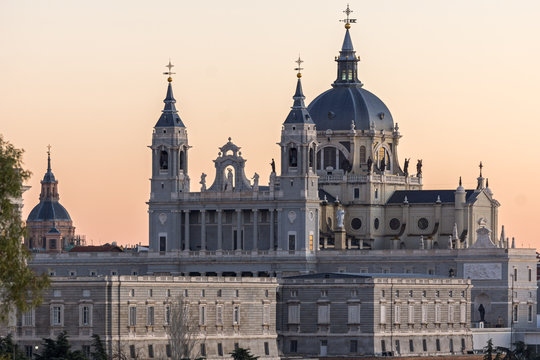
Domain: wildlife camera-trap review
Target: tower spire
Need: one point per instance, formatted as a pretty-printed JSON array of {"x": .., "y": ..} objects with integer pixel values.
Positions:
[
  {"x": 49, "y": 158},
  {"x": 298, "y": 113},
  {"x": 169, "y": 116},
  {"x": 347, "y": 60}
]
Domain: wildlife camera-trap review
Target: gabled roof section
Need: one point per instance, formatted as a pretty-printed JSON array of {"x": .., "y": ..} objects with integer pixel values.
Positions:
[{"x": 428, "y": 196}]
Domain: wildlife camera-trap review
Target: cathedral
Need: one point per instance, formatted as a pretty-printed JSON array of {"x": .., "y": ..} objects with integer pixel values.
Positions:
[{"x": 340, "y": 185}]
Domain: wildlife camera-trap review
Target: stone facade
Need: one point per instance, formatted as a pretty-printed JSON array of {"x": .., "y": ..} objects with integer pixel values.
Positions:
[
  {"x": 133, "y": 313},
  {"x": 338, "y": 314}
]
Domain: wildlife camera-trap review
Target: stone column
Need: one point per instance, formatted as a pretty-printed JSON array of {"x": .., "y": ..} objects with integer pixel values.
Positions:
[
  {"x": 279, "y": 229},
  {"x": 186, "y": 230},
  {"x": 179, "y": 227},
  {"x": 239, "y": 229},
  {"x": 272, "y": 240},
  {"x": 255, "y": 228},
  {"x": 219, "y": 230},
  {"x": 203, "y": 230}
]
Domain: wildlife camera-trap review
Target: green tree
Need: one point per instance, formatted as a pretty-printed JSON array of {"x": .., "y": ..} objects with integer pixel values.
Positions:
[
  {"x": 10, "y": 350},
  {"x": 489, "y": 350},
  {"x": 21, "y": 287},
  {"x": 59, "y": 349},
  {"x": 242, "y": 354},
  {"x": 99, "y": 352}
]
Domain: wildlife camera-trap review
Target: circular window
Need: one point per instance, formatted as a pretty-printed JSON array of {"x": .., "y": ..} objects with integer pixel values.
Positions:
[
  {"x": 376, "y": 223},
  {"x": 356, "y": 223},
  {"x": 394, "y": 224},
  {"x": 423, "y": 223}
]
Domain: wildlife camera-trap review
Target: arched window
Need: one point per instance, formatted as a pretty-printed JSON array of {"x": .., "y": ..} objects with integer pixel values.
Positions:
[
  {"x": 293, "y": 157},
  {"x": 164, "y": 160},
  {"x": 362, "y": 154},
  {"x": 350, "y": 77},
  {"x": 311, "y": 157},
  {"x": 329, "y": 157},
  {"x": 182, "y": 160},
  {"x": 383, "y": 157}
]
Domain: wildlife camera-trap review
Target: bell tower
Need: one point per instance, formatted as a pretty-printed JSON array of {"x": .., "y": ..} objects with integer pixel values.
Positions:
[
  {"x": 169, "y": 151},
  {"x": 298, "y": 180}
]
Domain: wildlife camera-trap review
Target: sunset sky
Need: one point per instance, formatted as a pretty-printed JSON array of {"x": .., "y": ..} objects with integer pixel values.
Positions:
[{"x": 460, "y": 77}]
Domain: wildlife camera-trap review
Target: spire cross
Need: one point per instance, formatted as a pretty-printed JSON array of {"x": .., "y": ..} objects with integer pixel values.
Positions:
[
  {"x": 480, "y": 166},
  {"x": 169, "y": 73},
  {"x": 299, "y": 61},
  {"x": 348, "y": 21},
  {"x": 49, "y": 149}
]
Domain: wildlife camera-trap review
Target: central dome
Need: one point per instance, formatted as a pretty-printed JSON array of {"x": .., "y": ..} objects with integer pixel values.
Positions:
[{"x": 336, "y": 108}]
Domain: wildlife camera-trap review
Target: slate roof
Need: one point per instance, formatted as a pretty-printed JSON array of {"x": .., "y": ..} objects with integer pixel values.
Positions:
[
  {"x": 169, "y": 116},
  {"x": 329, "y": 197},
  {"x": 363, "y": 275},
  {"x": 298, "y": 113},
  {"x": 429, "y": 196},
  {"x": 48, "y": 210},
  {"x": 97, "y": 248}
]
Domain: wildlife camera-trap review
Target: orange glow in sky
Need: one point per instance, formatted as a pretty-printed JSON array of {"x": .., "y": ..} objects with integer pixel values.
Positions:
[{"x": 460, "y": 77}]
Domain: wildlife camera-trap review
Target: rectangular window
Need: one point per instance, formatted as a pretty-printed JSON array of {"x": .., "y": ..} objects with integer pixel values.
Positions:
[
  {"x": 236, "y": 315},
  {"x": 411, "y": 345},
  {"x": 56, "y": 318},
  {"x": 462, "y": 344},
  {"x": 450, "y": 313},
  {"x": 86, "y": 315},
  {"x": 293, "y": 346},
  {"x": 220, "y": 349},
  {"x": 294, "y": 313},
  {"x": 86, "y": 351},
  {"x": 294, "y": 293},
  {"x": 438, "y": 344},
  {"x": 28, "y": 318},
  {"x": 219, "y": 315},
  {"x": 397, "y": 314},
  {"x": 150, "y": 351},
  {"x": 515, "y": 274},
  {"x": 398, "y": 348},
  {"x": 530, "y": 313},
  {"x": 310, "y": 242},
  {"x": 354, "y": 314},
  {"x": 132, "y": 316},
  {"x": 356, "y": 193},
  {"x": 324, "y": 314},
  {"x": 411, "y": 314},
  {"x": 203, "y": 350},
  {"x": 52, "y": 243},
  {"x": 29, "y": 350},
  {"x": 168, "y": 351},
  {"x": 437, "y": 313},
  {"x": 218, "y": 293},
  {"x": 202, "y": 315},
  {"x": 167, "y": 314},
  {"x": 132, "y": 351},
  {"x": 292, "y": 242},
  {"x": 203, "y": 293},
  {"x": 462, "y": 313},
  {"x": 383, "y": 346},
  {"x": 530, "y": 274},
  {"x": 424, "y": 345},
  {"x": 515, "y": 314},
  {"x": 451, "y": 345},
  {"x": 266, "y": 348},
  {"x": 353, "y": 346},
  {"x": 266, "y": 314},
  {"x": 383, "y": 314},
  {"x": 424, "y": 314},
  {"x": 150, "y": 316}
]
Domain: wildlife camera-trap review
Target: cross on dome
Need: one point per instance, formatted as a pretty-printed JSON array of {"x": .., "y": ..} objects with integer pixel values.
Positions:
[
  {"x": 348, "y": 21},
  {"x": 169, "y": 73},
  {"x": 299, "y": 61}
]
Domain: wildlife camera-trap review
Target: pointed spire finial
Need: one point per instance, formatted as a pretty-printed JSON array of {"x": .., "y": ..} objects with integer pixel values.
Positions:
[
  {"x": 169, "y": 73},
  {"x": 460, "y": 181},
  {"x": 348, "y": 21},
  {"x": 480, "y": 166},
  {"x": 299, "y": 61},
  {"x": 49, "y": 157}
]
